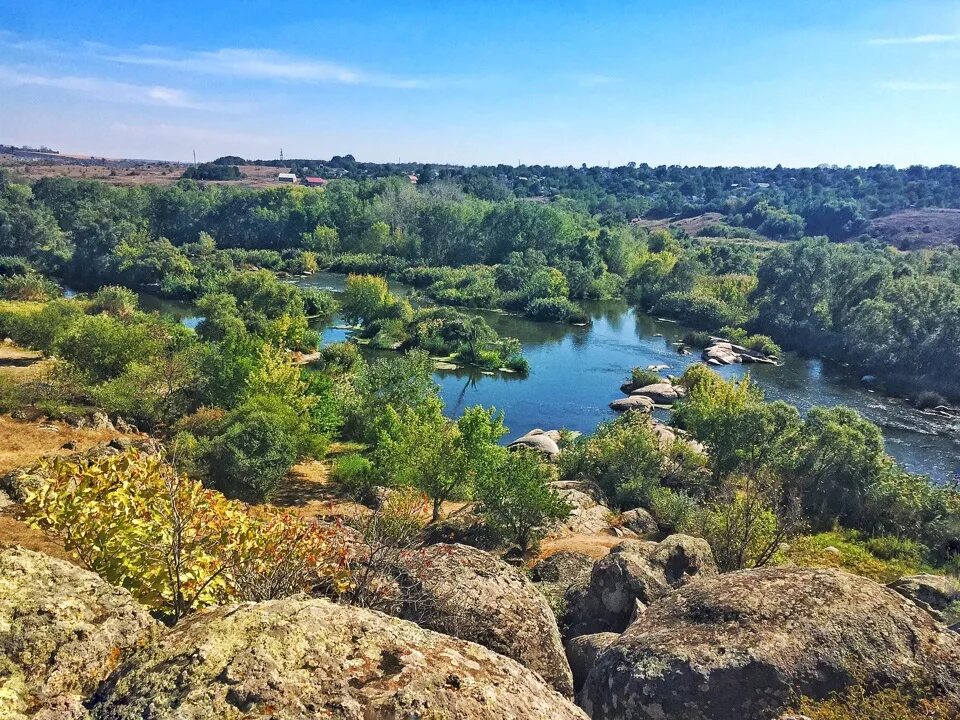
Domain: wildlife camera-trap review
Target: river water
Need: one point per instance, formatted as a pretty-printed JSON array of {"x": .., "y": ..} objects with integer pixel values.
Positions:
[{"x": 575, "y": 372}]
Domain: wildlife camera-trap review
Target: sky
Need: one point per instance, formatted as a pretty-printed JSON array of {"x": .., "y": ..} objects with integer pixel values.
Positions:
[{"x": 708, "y": 82}]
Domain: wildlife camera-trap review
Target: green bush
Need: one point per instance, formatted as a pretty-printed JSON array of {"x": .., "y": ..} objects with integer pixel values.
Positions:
[
  {"x": 554, "y": 309},
  {"x": 355, "y": 475},
  {"x": 641, "y": 377},
  {"x": 28, "y": 287},
  {"x": 114, "y": 300},
  {"x": 674, "y": 511},
  {"x": 257, "y": 448},
  {"x": 697, "y": 339}
]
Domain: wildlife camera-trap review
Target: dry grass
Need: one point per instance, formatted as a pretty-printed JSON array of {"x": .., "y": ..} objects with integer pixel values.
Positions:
[
  {"x": 21, "y": 365},
  {"x": 139, "y": 174}
]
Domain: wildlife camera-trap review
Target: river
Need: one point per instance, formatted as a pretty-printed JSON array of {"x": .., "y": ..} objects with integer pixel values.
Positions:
[{"x": 576, "y": 371}]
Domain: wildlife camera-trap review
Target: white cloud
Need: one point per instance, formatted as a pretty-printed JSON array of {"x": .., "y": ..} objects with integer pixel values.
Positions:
[
  {"x": 914, "y": 86},
  {"x": 258, "y": 64},
  {"x": 104, "y": 89},
  {"x": 930, "y": 39}
]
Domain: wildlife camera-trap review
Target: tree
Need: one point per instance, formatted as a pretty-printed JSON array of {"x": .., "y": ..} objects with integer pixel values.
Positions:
[
  {"x": 417, "y": 446},
  {"x": 517, "y": 500},
  {"x": 365, "y": 298}
]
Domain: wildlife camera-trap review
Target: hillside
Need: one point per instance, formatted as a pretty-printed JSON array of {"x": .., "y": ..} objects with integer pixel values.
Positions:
[{"x": 915, "y": 229}]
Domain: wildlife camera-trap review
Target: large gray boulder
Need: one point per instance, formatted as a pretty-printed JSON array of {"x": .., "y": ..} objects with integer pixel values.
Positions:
[
  {"x": 62, "y": 631},
  {"x": 544, "y": 442},
  {"x": 637, "y": 403},
  {"x": 662, "y": 393},
  {"x": 469, "y": 594},
  {"x": 588, "y": 516},
  {"x": 635, "y": 571},
  {"x": 742, "y": 645},
  {"x": 639, "y": 521},
  {"x": 302, "y": 659}
]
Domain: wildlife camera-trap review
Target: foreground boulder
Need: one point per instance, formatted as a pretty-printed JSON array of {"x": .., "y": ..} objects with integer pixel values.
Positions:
[
  {"x": 469, "y": 594},
  {"x": 741, "y": 646},
  {"x": 313, "y": 659},
  {"x": 634, "y": 572},
  {"x": 62, "y": 631}
]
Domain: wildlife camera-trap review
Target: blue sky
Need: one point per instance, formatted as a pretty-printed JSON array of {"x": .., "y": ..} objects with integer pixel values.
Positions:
[{"x": 748, "y": 82}]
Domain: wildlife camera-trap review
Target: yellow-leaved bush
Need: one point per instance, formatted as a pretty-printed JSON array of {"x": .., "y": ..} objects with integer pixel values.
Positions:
[{"x": 174, "y": 544}]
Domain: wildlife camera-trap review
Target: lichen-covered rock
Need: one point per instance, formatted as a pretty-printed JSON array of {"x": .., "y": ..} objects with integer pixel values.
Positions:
[
  {"x": 742, "y": 645},
  {"x": 635, "y": 570},
  {"x": 934, "y": 593},
  {"x": 565, "y": 566},
  {"x": 588, "y": 516},
  {"x": 303, "y": 659},
  {"x": 639, "y": 521},
  {"x": 62, "y": 631},
  {"x": 582, "y": 652},
  {"x": 469, "y": 594}
]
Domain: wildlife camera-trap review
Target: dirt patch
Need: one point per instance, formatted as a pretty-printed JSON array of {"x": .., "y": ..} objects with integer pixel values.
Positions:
[
  {"x": 913, "y": 229},
  {"x": 596, "y": 546},
  {"x": 21, "y": 365},
  {"x": 15, "y": 532},
  {"x": 21, "y": 443}
]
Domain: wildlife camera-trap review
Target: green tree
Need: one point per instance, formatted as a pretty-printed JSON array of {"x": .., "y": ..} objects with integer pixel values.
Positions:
[{"x": 517, "y": 500}]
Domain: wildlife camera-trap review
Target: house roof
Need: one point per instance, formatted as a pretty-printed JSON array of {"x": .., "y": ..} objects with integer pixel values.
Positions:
[{"x": 315, "y": 180}]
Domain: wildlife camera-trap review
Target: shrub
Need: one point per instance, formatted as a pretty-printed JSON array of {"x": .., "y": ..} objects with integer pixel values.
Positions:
[
  {"x": 554, "y": 309},
  {"x": 28, "y": 287},
  {"x": 674, "y": 511},
  {"x": 695, "y": 309},
  {"x": 176, "y": 546},
  {"x": 114, "y": 300},
  {"x": 258, "y": 446},
  {"x": 339, "y": 358},
  {"x": 101, "y": 346},
  {"x": 888, "y": 547},
  {"x": 354, "y": 475},
  {"x": 622, "y": 456},
  {"x": 319, "y": 302},
  {"x": 641, "y": 377},
  {"x": 698, "y": 339}
]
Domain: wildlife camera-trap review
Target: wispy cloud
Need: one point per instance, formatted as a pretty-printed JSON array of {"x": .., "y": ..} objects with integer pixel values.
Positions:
[
  {"x": 104, "y": 89},
  {"x": 257, "y": 64},
  {"x": 914, "y": 86},
  {"x": 930, "y": 39}
]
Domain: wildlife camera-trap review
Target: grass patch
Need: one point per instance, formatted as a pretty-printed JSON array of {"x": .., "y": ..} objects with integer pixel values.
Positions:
[{"x": 854, "y": 556}]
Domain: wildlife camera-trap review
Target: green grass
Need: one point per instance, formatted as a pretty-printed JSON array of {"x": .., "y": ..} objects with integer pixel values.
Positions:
[{"x": 854, "y": 556}]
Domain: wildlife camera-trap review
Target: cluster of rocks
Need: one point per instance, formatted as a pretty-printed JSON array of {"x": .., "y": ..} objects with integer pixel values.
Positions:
[
  {"x": 74, "y": 648},
  {"x": 543, "y": 441},
  {"x": 647, "y": 397},
  {"x": 651, "y": 630},
  {"x": 722, "y": 352}
]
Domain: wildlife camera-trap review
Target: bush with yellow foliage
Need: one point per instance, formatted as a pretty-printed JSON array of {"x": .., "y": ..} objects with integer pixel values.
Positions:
[{"x": 174, "y": 544}]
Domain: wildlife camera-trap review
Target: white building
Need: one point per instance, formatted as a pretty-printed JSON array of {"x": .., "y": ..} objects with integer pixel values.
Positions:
[{"x": 286, "y": 177}]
